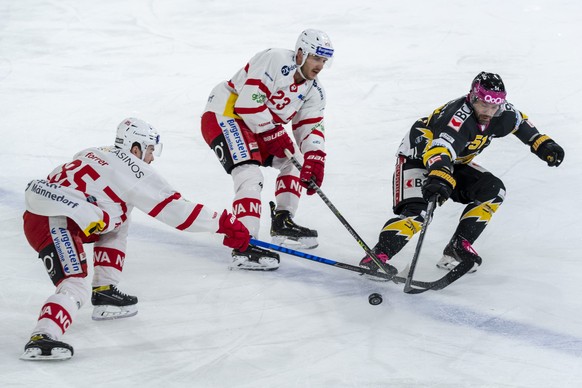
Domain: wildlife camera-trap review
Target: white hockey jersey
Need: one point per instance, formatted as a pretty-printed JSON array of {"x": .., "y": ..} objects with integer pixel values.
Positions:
[
  {"x": 264, "y": 94},
  {"x": 101, "y": 186}
]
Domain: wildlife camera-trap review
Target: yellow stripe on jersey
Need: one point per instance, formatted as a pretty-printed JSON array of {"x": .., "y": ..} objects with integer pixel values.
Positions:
[
  {"x": 406, "y": 227},
  {"x": 94, "y": 227},
  {"x": 435, "y": 151},
  {"x": 483, "y": 212},
  {"x": 229, "y": 108}
]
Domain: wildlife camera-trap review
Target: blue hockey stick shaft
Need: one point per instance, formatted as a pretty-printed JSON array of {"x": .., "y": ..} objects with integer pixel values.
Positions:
[{"x": 319, "y": 259}]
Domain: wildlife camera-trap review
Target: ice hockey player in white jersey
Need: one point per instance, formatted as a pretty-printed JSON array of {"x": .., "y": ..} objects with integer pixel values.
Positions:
[
  {"x": 89, "y": 200},
  {"x": 243, "y": 124}
]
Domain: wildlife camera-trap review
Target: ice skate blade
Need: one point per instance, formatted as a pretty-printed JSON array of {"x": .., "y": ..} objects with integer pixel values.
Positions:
[
  {"x": 375, "y": 278},
  {"x": 108, "y": 312},
  {"x": 447, "y": 263},
  {"x": 264, "y": 264},
  {"x": 295, "y": 243},
  {"x": 35, "y": 354}
]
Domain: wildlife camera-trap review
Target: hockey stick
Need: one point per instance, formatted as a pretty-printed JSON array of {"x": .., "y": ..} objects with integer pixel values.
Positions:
[
  {"x": 429, "y": 211},
  {"x": 438, "y": 284},
  {"x": 341, "y": 218},
  {"x": 322, "y": 260}
]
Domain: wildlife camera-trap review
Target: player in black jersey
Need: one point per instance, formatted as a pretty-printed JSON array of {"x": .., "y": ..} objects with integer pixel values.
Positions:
[{"x": 436, "y": 156}]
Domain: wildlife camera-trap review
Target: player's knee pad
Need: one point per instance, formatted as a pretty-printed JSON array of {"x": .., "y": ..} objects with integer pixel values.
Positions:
[
  {"x": 75, "y": 288},
  {"x": 488, "y": 188},
  {"x": 247, "y": 178},
  {"x": 412, "y": 209}
]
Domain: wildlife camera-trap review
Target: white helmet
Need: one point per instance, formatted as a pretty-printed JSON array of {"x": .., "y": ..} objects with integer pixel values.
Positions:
[
  {"x": 132, "y": 130},
  {"x": 314, "y": 42}
]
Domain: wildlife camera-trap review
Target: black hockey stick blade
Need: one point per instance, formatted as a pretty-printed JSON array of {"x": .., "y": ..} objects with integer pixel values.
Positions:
[{"x": 453, "y": 275}]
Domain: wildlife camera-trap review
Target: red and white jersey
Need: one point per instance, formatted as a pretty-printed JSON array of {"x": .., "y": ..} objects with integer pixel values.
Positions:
[
  {"x": 101, "y": 186},
  {"x": 264, "y": 94}
]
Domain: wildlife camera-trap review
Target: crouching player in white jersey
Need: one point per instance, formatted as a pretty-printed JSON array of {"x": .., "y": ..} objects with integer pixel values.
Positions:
[
  {"x": 89, "y": 200},
  {"x": 243, "y": 124}
]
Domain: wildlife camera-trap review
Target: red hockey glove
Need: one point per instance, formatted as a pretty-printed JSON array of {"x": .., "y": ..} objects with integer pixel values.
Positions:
[
  {"x": 313, "y": 167},
  {"x": 547, "y": 150},
  {"x": 440, "y": 183},
  {"x": 276, "y": 141},
  {"x": 235, "y": 233}
]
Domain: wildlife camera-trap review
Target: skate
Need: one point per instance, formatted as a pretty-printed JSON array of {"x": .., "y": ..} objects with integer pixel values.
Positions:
[
  {"x": 42, "y": 347},
  {"x": 287, "y": 233},
  {"x": 457, "y": 250},
  {"x": 368, "y": 263},
  {"x": 110, "y": 303},
  {"x": 254, "y": 259}
]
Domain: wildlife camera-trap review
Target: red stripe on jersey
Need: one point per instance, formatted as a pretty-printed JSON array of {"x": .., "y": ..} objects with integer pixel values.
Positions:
[
  {"x": 262, "y": 87},
  {"x": 191, "y": 218},
  {"x": 111, "y": 194},
  {"x": 288, "y": 184},
  {"x": 106, "y": 219},
  {"x": 160, "y": 206},
  {"x": 247, "y": 67},
  {"x": 108, "y": 257},
  {"x": 250, "y": 111},
  {"x": 56, "y": 313},
  {"x": 307, "y": 121},
  {"x": 318, "y": 133}
]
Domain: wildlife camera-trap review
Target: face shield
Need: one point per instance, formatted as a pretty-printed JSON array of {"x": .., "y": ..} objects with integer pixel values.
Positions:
[{"x": 154, "y": 147}]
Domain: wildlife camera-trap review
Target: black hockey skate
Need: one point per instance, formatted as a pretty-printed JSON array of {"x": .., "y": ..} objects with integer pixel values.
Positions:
[
  {"x": 255, "y": 259},
  {"x": 287, "y": 233},
  {"x": 368, "y": 263},
  {"x": 457, "y": 250},
  {"x": 42, "y": 347},
  {"x": 110, "y": 303}
]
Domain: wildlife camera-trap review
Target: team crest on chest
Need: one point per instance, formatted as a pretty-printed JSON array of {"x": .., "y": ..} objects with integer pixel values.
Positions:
[{"x": 456, "y": 122}]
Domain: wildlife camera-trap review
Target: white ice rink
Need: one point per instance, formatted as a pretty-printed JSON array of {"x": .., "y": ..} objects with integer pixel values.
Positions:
[{"x": 71, "y": 70}]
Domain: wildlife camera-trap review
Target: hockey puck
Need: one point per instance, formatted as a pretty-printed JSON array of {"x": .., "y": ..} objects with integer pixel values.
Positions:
[{"x": 375, "y": 299}]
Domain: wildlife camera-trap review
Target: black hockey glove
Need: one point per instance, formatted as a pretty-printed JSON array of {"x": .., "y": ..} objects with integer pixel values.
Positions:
[
  {"x": 547, "y": 150},
  {"x": 440, "y": 183}
]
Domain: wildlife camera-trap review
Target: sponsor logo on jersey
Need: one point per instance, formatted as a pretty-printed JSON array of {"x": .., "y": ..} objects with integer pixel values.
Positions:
[
  {"x": 447, "y": 137},
  {"x": 459, "y": 117},
  {"x": 41, "y": 187},
  {"x": 318, "y": 88},
  {"x": 259, "y": 97},
  {"x": 286, "y": 70},
  {"x": 92, "y": 156},
  {"x": 433, "y": 160},
  {"x": 129, "y": 161}
]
